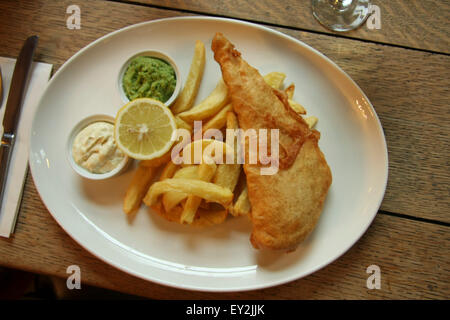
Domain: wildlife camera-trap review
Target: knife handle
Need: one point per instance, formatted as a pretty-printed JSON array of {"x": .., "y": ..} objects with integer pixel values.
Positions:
[
  {"x": 18, "y": 85},
  {"x": 6, "y": 149}
]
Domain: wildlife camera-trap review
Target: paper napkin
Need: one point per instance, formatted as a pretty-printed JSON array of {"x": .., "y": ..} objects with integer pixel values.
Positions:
[{"x": 39, "y": 75}]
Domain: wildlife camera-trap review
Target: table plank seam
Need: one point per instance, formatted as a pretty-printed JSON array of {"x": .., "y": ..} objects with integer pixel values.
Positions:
[
  {"x": 275, "y": 25},
  {"x": 406, "y": 216}
]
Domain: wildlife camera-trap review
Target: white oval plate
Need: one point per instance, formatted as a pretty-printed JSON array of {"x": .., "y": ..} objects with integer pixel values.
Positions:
[{"x": 220, "y": 258}]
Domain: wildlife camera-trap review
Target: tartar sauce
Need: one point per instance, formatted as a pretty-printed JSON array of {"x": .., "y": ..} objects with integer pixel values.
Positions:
[{"x": 95, "y": 150}]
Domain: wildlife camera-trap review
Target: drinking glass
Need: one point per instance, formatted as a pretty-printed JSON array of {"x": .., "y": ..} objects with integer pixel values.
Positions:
[{"x": 341, "y": 15}]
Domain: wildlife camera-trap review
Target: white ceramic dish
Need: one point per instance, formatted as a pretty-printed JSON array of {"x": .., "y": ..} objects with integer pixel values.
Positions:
[
  {"x": 220, "y": 258},
  {"x": 154, "y": 54},
  {"x": 80, "y": 170}
]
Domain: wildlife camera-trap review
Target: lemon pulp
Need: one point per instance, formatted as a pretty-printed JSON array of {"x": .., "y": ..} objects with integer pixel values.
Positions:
[{"x": 144, "y": 128}]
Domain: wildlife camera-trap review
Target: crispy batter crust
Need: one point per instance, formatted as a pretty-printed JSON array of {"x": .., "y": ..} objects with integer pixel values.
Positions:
[{"x": 287, "y": 205}]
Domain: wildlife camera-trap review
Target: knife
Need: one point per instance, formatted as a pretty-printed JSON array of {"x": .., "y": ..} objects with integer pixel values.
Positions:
[{"x": 13, "y": 106}]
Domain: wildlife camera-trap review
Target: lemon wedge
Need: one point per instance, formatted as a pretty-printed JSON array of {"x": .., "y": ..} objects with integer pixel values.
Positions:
[{"x": 143, "y": 129}]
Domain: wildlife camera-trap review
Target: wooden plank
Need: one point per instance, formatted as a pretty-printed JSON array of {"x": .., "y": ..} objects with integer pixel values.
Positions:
[
  {"x": 418, "y": 24},
  {"x": 414, "y": 258},
  {"x": 408, "y": 88}
]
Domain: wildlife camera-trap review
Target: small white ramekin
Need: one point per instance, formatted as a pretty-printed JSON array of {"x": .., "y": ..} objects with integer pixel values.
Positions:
[
  {"x": 80, "y": 170},
  {"x": 153, "y": 54}
]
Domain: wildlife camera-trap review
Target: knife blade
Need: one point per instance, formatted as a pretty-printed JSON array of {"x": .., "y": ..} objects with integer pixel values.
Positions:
[{"x": 13, "y": 107}]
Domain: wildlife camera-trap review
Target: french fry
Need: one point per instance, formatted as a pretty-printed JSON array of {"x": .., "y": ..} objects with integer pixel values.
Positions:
[
  {"x": 275, "y": 79},
  {"x": 208, "y": 107},
  {"x": 168, "y": 171},
  {"x": 171, "y": 199},
  {"x": 182, "y": 124},
  {"x": 157, "y": 162},
  {"x": 205, "y": 205},
  {"x": 206, "y": 146},
  {"x": 138, "y": 187},
  {"x": 190, "y": 172},
  {"x": 208, "y": 218},
  {"x": 290, "y": 91},
  {"x": 294, "y": 105},
  {"x": 311, "y": 121},
  {"x": 206, "y": 190},
  {"x": 219, "y": 120},
  {"x": 204, "y": 218},
  {"x": 242, "y": 205},
  {"x": 192, "y": 84},
  {"x": 227, "y": 175},
  {"x": 297, "y": 107},
  {"x": 232, "y": 121},
  {"x": 205, "y": 173}
]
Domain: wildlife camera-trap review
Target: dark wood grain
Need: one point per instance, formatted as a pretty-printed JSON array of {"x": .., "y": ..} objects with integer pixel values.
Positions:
[
  {"x": 410, "y": 92},
  {"x": 413, "y": 258},
  {"x": 419, "y": 24}
]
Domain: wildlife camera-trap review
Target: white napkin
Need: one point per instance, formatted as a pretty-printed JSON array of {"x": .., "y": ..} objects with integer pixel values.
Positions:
[{"x": 39, "y": 75}]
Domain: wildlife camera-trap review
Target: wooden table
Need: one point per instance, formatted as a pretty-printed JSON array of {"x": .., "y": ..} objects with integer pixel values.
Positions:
[{"x": 404, "y": 68}]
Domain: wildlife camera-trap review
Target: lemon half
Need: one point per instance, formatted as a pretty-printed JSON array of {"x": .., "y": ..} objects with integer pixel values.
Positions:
[{"x": 143, "y": 129}]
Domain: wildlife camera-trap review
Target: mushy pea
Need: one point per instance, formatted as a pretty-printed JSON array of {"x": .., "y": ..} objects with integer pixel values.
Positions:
[{"x": 148, "y": 77}]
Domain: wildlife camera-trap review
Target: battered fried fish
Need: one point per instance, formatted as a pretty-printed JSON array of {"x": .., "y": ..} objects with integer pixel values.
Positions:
[{"x": 285, "y": 206}]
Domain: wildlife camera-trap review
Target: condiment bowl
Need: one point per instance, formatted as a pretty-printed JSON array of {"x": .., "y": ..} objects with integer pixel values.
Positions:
[
  {"x": 154, "y": 54},
  {"x": 82, "y": 171}
]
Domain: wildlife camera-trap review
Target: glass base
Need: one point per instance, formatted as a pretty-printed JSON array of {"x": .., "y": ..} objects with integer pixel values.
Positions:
[{"x": 341, "y": 15}]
